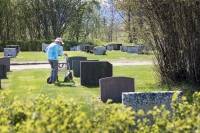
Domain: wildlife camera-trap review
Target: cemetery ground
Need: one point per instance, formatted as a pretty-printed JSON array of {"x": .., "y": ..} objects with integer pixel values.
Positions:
[{"x": 28, "y": 84}]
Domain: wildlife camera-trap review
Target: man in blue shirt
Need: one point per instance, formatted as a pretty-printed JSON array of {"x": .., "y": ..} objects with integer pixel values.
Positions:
[{"x": 53, "y": 51}]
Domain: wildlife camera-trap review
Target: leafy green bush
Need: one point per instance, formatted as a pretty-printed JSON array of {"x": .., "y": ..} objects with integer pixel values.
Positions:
[{"x": 44, "y": 115}]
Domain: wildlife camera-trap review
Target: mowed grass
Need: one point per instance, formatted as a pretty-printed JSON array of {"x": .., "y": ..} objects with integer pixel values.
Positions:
[{"x": 30, "y": 83}]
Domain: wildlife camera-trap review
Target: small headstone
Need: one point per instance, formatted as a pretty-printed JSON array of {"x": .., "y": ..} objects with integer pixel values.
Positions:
[
  {"x": 76, "y": 67},
  {"x": 112, "y": 88},
  {"x": 44, "y": 46},
  {"x": 81, "y": 47},
  {"x": 123, "y": 48},
  {"x": 10, "y": 52},
  {"x": 92, "y": 71},
  {"x": 99, "y": 50},
  {"x": 116, "y": 46},
  {"x": 70, "y": 59},
  {"x": 110, "y": 47},
  {"x": 14, "y": 46},
  {"x": 73, "y": 48},
  {"x": 5, "y": 61}
]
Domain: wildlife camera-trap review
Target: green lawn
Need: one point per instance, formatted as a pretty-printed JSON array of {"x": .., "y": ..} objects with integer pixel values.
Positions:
[
  {"x": 30, "y": 83},
  {"x": 110, "y": 56}
]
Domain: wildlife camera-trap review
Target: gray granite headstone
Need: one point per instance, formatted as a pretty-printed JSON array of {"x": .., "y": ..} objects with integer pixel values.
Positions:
[
  {"x": 132, "y": 49},
  {"x": 5, "y": 61},
  {"x": 14, "y": 46},
  {"x": 116, "y": 46},
  {"x": 3, "y": 72},
  {"x": 10, "y": 52},
  {"x": 112, "y": 88},
  {"x": 99, "y": 50},
  {"x": 123, "y": 48},
  {"x": 44, "y": 46},
  {"x": 147, "y": 100},
  {"x": 74, "y": 48},
  {"x": 70, "y": 59},
  {"x": 135, "y": 49},
  {"x": 81, "y": 47},
  {"x": 92, "y": 71},
  {"x": 76, "y": 67},
  {"x": 110, "y": 47}
]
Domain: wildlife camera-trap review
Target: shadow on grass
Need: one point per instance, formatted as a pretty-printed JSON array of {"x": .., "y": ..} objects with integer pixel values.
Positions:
[{"x": 64, "y": 84}]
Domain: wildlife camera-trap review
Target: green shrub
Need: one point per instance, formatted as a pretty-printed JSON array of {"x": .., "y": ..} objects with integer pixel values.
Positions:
[{"x": 45, "y": 115}]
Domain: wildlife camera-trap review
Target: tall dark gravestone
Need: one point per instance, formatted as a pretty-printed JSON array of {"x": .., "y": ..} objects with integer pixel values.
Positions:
[
  {"x": 92, "y": 71},
  {"x": 76, "y": 67},
  {"x": 70, "y": 59},
  {"x": 2, "y": 73}
]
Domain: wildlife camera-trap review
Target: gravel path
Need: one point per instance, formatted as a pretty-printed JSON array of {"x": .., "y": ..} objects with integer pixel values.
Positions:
[{"x": 46, "y": 65}]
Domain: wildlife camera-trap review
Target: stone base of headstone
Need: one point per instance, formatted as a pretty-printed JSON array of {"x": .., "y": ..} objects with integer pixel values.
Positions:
[
  {"x": 112, "y": 88},
  {"x": 92, "y": 71}
]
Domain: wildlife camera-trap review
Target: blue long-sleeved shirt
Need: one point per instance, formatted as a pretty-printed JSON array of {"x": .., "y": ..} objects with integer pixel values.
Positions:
[{"x": 53, "y": 51}]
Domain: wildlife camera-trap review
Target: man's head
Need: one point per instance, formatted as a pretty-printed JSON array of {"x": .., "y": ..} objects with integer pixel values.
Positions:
[{"x": 59, "y": 40}]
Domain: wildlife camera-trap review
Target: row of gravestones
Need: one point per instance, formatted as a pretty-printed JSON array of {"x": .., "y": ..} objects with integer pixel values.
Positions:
[
  {"x": 100, "y": 50},
  {"x": 118, "y": 89},
  {"x": 11, "y": 50}
]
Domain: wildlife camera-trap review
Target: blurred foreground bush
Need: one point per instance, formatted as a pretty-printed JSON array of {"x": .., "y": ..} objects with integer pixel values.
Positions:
[{"x": 60, "y": 115}]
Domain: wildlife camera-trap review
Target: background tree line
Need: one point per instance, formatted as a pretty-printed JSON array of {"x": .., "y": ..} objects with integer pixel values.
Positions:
[{"x": 172, "y": 29}]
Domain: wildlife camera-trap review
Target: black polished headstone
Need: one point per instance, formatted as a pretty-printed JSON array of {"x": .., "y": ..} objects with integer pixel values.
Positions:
[
  {"x": 116, "y": 46},
  {"x": 92, "y": 71},
  {"x": 3, "y": 72},
  {"x": 14, "y": 46},
  {"x": 76, "y": 67},
  {"x": 5, "y": 61},
  {"x": 70, "y": 59},
  {"x": 112, "y": 88}
]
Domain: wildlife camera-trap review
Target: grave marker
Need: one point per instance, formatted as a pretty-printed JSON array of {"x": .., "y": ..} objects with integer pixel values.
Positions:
[
  {"x": 92, "y": 71},
  {"x": 76, "y": 67},
  {"x": 70, "y": 59},
  {"x": 5, "y": 61},
  {"x": 10, "y": 52},
  {"x": 112, "y": 88}
]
